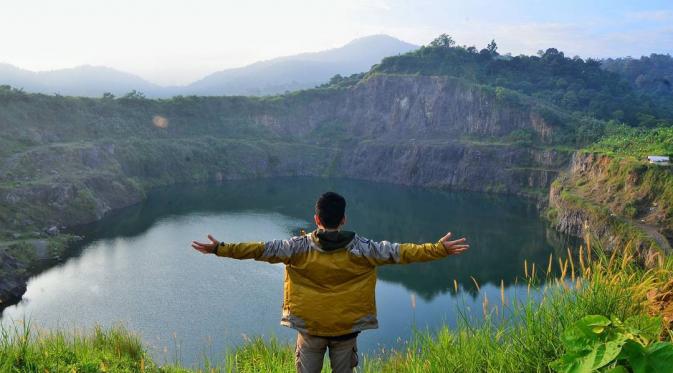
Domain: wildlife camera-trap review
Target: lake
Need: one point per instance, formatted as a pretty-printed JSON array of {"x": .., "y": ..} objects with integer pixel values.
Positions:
[{"x": 136, "y": 266}]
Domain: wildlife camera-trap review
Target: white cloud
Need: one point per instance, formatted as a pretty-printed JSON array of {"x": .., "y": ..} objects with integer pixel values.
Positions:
[
  {"x": 365, "y": 5},
  {"x": 652, "y": 15}
]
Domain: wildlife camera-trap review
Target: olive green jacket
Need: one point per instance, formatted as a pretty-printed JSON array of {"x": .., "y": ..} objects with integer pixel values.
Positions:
[{"x": 330, "y": 276}]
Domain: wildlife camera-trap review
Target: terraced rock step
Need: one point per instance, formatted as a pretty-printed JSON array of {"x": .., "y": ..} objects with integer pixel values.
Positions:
[{"x": 618, "y": 200}]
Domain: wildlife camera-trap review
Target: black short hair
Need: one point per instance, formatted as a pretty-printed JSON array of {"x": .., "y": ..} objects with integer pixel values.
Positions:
[{"x": 330, "y": 208}]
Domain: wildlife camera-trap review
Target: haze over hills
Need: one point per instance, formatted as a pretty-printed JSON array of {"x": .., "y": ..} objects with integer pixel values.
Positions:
[
  {"x": 300, "y": 71},
  {"x": 89, "y": 81},
  {"x": 274, "y": 76}
]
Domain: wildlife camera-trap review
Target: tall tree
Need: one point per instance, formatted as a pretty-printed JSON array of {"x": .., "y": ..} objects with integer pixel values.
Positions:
[
  {"x": 443, "y": 41},
  {"x": 492, "y": 47}
]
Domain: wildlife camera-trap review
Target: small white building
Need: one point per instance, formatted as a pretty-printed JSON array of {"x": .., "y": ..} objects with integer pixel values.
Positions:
[{"x": 658, "y": 159}]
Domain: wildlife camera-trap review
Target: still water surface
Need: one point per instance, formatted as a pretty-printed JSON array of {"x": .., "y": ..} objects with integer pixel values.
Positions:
[{"x": 136, "y": 267}]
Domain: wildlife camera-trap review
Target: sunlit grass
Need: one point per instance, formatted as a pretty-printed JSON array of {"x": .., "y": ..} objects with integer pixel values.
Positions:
[{"x": 24, "y": 348}]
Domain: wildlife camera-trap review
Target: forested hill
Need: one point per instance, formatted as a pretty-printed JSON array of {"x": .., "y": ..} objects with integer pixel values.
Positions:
[
  {"x": 573, "y": 84},
  {"x": 651, "y": 74}
]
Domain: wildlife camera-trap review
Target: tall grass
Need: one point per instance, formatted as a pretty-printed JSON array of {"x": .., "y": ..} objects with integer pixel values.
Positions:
[
  {"x": 529, "y": 338},
  {"x": 26, "y": 349},
  {"x": 513, "y": 336}
]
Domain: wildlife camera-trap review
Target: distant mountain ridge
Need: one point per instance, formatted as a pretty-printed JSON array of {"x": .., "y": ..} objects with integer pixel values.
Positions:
[
  {"x": 86, "y": 80},
  {"x": 301, "y": 71},
  {"x": 273, "y": 76}
]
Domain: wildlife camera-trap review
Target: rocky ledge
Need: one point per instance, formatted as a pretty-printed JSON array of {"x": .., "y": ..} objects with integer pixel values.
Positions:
[
  {"x": 617, "y": 201},
  {"x": 14, "y": 277}
]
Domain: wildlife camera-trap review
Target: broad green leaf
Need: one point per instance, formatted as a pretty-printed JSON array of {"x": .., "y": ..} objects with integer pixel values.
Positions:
[
  {"x": 656, "y": 358},
  {"x": 647, "y": 327},
  {"x": 575, "y": 339},
  {"x": 632, "y": 349},
  {"x": 607, "y": 352},
  {"x": 574, "y": 363},
  {"x": 660, "y": 357},
  {"x": 596, "y": 342},
  {"x": 613, "y": 348},
  {"x": 589, "y": 360},
  {"x": 593, "y": 323}
]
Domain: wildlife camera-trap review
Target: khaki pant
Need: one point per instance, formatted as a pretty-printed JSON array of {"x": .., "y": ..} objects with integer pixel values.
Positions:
[{"x": 343, "y": 354}]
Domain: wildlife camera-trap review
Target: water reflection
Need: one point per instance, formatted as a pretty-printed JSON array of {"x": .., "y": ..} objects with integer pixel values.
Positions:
[{"x": 503, "y": 231}]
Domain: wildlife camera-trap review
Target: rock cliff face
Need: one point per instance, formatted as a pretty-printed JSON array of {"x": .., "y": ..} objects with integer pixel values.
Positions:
[
  {"x": 398, "y": 108},
  {"x": 76, "y": 190},
  {"x": 616, "y": 201},
  {"x": 501, "y": 169},
  {"x": 14, "y": 278}
]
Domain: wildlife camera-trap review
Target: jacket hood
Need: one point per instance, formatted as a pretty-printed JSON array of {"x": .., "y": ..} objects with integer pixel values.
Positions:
[{"x": 332, "y": 240}]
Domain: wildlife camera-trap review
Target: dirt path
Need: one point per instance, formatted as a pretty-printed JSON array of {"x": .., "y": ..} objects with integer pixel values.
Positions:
[{"x": 654, "y": 234}]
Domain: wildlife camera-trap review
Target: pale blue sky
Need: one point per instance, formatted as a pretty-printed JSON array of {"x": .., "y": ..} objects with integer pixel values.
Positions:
[{"x": 177, "y": 41}]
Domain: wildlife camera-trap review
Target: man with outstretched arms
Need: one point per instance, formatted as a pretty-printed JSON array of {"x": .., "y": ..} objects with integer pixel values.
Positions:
[{"x": 330, "y": 281}]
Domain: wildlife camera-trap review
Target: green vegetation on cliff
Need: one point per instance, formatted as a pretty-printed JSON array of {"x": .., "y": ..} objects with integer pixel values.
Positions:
[
  {"x": 624, "y": 141},
  {"x": 573, "y": 84},
  {"x": 611, "y": 188}
]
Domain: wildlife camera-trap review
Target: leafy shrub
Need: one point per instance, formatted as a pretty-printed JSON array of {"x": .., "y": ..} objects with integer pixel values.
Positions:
[
  {"x": 636, "y": 142},
  {"x": 596, "y": 343},
  {"x": 521, "y": 136}
]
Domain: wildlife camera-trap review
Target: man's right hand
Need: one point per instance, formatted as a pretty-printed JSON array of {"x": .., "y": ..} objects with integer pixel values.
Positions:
[
  {"x": 454, "y": 247},
  {"x": 206, "y": 248}
]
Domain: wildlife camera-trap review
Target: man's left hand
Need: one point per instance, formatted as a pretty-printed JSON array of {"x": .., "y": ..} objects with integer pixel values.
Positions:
[{"x": 454, "y": 247}]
